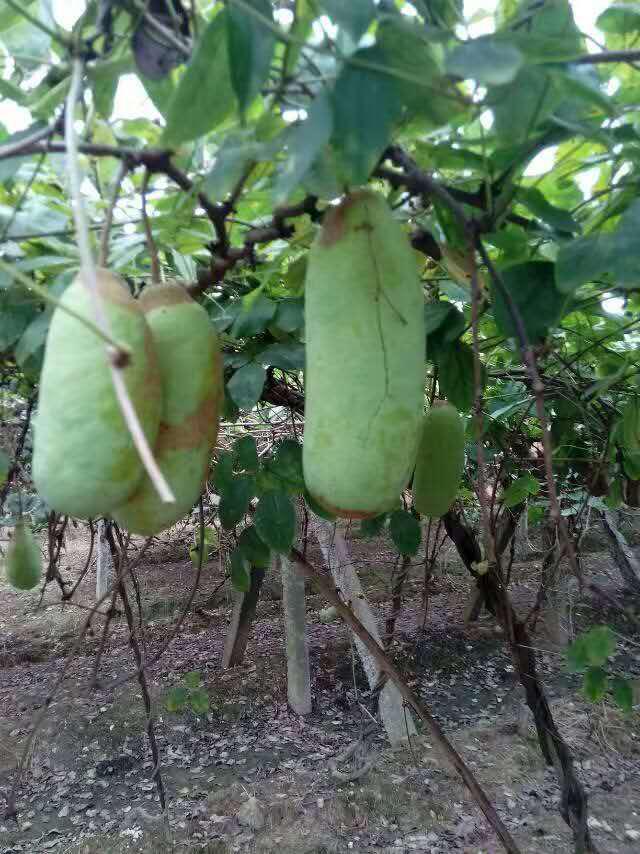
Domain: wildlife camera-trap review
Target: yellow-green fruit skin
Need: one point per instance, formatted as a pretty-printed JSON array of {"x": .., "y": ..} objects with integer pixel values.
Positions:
[
  {"x": 23, "y": 561},
  {"x": 84, "y": 460},
  {"x": 192, "y": 390},
  {"x": 365, "y": 355},
  {"x": 440, "y": 461}
]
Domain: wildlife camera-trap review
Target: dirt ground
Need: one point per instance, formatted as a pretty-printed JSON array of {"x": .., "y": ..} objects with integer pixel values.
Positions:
[{"x": 251, "y": 775}]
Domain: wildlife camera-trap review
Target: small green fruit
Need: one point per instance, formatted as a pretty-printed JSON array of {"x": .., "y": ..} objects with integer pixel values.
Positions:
[
  {"x": 84, "y": 459},
  {"x": 440, "y": 460},
  {"x": 364, "y": 375},
  {"x": 192, "y": 389},
  {"x": 23, "y": 561}
]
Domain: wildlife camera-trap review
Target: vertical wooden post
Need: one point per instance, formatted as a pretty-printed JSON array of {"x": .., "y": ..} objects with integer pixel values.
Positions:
[{"x": 294, "y": 614}]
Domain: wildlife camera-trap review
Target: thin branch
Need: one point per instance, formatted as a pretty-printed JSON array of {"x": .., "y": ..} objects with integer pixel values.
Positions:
[
  {"x": 607, "y": 57},
  {"x": 328, "y": 589},
  {"x": 119, "y": 558},
  {"x": 152, "y": 249},
  {"x": 103, "y": 256}
]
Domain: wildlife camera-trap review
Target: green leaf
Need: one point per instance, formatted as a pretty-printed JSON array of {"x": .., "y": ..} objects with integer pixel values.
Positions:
[
  {"x": 285, "y": 465},
  {"x": 622, "y": 691},
  {"x": 191, "y": 679},
  {"x": 361, "y": 133},
  {"x": 245, "y": 386},
  {"x": 204, "y": 96},
  {"x": 240, "y": 571},
  {"x": 455, "y": 373},
  {"x": 255, "y": 315},
  {"x": 595, "y": 683},
  {"x": 104, "y": 77},
  {"x": 520, "y": 490},
  {"x": 289, "y": 315},
  {"x": 223, "y": 472},
  {"x": 353, "y": 16},
  {"x": 245, "y": 455},
  {"x": 533, "y": 291},
  {"x": 254, "y": 550},
  {"x": 176, "y": 698},
  {"x": 600, "y": 643},
  {"x": 631, "y": 424},
  {"x": 235, "y": 500},
  {"x": 287, "y": 356},
  {"x": 5, "y": 465},
  {"x": 423, "y": 90},
  {"x": 522, "y": 105},
  {"x": 577, "y": 656},
  {"x": 32, "y": 339},
  {"x": 250, "y": 45},
  {"x": 405, "y": 532},
  {"x": 303, "y": 143},
  {"x": 275, "y": 521},
  {"x": 490, "y": 60},
  {"x": 232, "y": 159},
  {"x": 540, "y": 207},
  {"x": 373, "y": 527},
  {"x": 199, "y": 702},
  {"x": 444, "y": 320},
  {"x": 614, "y": 253},
  {"x": 620, "y": 18},
  {"x": 16, "y": 312}
]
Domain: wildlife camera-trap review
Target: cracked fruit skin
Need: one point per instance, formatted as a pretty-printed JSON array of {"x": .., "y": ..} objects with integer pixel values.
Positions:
[
  {"x": 192, "y": 390},
  {"x": 365, "y": 355},
  {"x": 84, "y": 460},
  {"x": 440, "y": 460},
  {"x": 23, "y": 561}
]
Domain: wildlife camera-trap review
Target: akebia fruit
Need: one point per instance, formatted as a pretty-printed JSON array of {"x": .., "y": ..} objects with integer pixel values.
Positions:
[
  {"x": 84, "y": 459},
  {"x": 364, "y": 374},
  {"x": 23, "y": 560},
  {"x": 440, "y": 460},
  {"x": 192, "y": 389}
]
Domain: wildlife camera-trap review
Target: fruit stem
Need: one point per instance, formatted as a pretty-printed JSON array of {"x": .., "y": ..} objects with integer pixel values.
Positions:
[{"x": 88, "y": 275}]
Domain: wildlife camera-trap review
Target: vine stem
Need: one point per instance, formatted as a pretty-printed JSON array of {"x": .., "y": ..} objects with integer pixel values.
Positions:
[
  {"x": 537, "y": 386},
  {"x": 89, "y": 277}
]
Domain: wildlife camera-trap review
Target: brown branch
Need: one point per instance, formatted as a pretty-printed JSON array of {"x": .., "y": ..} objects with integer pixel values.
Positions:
[
  {"x": 573, "y": 804},
  {"x": 537, "y": 386},
  {"x": 607, "y": 56},
  {"x": 120, "y": 561},
  {"x": 14, "y": 468},
  {"x": 328, "y": 589}
]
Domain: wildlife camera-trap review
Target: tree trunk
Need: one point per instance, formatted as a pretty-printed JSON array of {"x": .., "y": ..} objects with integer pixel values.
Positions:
[
  {"x": 294, "y": 612},
  {"x": 397, "y": 720},
  {"x": 244, "y": 611},
  {"x": 104, "y": 561},
  {"x": 621, "y": 553}
]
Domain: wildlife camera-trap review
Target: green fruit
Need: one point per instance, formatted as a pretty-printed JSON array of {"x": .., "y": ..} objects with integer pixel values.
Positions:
[
  {"x": 364, "y": 376},
  {"x": 440, "y": 460},
  {"x": 23, "y": 562},
  {"x": 192, "y": 389},
  {"x": 84, "y": 459}
]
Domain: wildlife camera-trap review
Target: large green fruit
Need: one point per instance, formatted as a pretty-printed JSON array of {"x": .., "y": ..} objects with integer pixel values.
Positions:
[
  {"x": 192, "y": 389},
  {"x": 23, "y": 561},
  {"x": 365, "y": 343},
  {"x": 84, "y": 459},
  {"x": 440, "y": 460}
]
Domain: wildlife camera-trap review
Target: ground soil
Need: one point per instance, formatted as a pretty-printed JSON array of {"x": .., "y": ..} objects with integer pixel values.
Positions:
[{"x": 87, "y": 784}]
